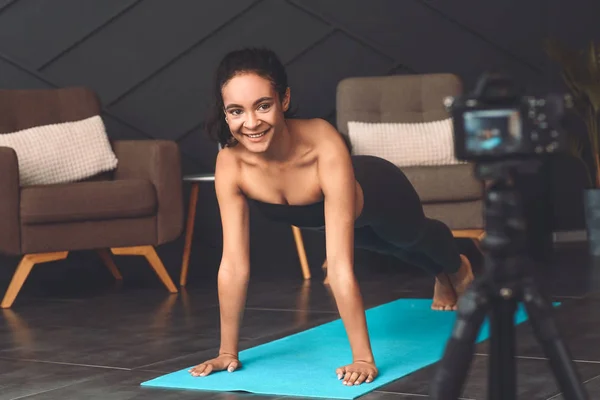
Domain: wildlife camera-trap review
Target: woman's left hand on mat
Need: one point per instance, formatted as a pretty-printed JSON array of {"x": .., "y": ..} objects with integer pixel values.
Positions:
[{"x": 357, "y": 373}]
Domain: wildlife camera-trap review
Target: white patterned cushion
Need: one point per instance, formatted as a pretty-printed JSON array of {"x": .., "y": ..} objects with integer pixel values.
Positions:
[
  {"x": 64, "y": 152},
  {"x": 405, "y": 144}
]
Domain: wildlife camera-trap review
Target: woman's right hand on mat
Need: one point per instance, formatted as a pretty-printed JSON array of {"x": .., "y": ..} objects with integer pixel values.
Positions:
[
  {"x": 357, "y": 373},
  {"x": 222, "y": 362}
]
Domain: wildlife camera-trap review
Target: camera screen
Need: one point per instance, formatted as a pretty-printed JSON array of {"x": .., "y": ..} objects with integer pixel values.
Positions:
[{"x": 487, "y": 131}]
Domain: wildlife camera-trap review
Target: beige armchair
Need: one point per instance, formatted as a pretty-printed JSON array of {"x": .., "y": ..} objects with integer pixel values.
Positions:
[{"x": 449, "y": 193}]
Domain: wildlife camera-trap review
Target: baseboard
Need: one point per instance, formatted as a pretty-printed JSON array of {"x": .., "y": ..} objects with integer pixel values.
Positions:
[{"x": 569, "y": 236}]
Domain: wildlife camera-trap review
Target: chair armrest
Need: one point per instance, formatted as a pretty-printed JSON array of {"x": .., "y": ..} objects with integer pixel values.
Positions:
[
  {"x": 160, "y": 162},
  {"x": 10, "y": 229}
]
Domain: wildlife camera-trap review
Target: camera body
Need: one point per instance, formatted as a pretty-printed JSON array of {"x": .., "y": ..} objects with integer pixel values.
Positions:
[
  {"x": 496, "y": 122},
  {"x": 508, "y": 136}
]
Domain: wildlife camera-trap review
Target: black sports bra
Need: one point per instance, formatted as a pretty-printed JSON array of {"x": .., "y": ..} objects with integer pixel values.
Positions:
[{"x": 309, "y": 215}]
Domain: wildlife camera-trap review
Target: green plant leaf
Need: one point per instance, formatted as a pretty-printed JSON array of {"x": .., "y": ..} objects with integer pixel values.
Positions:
[
  {"x": 571, "y": 69},
  {"x": 580, "y": 70},
  {"x": 593, "y": 78},
  {"x": 579, "y": 97}
]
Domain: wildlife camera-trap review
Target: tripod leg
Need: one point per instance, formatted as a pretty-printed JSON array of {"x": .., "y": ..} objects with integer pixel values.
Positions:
[
  {"x": 455, "y": 363},
  {"x": 554, "y": 347},
  {"x": 502, "y": 372}
]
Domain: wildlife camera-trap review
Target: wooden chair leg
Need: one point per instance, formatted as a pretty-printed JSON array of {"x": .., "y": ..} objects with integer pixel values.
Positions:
[
  {"x": 469, "y": 233},
  {"x": 153, "y": 259},
  {"x": 189, "y": 231},
  {"x": 476, "y": 235},
  {"x": 23, "y": 270},
  {"x": 301, "y": 252},
  {"x": 477, "y": 241},
  {"x": 324, "y": 267},
  {"x": 109, "y": 263}
]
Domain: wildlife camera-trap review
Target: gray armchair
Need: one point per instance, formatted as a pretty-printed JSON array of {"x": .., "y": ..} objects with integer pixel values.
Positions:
[{"x": 450, "y": 193}]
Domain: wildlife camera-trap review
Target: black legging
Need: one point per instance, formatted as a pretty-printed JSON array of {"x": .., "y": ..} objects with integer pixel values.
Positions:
[{"x": 392, "y": 220}]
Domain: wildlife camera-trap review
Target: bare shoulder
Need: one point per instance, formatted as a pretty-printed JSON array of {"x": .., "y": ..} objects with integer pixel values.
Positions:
[
  {"x": 227, "y": 168},
  {"x": 227, "y": 159},
  {"x": 331, "y": 145},
  {"x": 323, "y": 136}
]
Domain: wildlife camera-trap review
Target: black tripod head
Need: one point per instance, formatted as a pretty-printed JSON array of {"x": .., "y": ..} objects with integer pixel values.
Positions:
[{"x": 505, "y": 243}]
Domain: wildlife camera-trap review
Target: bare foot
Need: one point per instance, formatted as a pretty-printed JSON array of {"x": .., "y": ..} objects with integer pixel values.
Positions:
[
  {"x": 463, "y": 277},
  {"x": 449, "y": 287},
  {"x": 444, "y": 296}
]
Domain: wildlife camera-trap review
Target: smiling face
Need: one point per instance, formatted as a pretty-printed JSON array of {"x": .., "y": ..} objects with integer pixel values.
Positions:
[{"x": 254, "y": 111}]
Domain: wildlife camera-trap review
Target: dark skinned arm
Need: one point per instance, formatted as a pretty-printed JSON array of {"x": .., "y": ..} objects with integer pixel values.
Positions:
[
  {"x": 234, "y": 270},
  {"x": 339, "y": 187}
]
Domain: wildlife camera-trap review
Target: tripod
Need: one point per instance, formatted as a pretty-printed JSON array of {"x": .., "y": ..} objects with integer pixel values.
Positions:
[{"x": 506, "y": 281}]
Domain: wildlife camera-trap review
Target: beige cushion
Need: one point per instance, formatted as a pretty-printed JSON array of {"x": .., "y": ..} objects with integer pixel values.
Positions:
[
  {"x": 405, "y": 144},
  {"x": 62, "y": 152}
]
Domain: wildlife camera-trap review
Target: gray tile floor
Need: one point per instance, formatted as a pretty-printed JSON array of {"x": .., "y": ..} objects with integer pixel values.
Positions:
[{"x": 91, "y": 338}]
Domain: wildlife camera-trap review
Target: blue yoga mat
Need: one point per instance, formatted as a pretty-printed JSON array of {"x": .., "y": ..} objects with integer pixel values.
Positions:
[{"x": 406, "y": 335}]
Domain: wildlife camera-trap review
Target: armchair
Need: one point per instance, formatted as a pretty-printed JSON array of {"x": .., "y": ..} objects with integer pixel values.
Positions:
[
  {"x": 450, "y": 193},
  {"x": 126, "y": 211}
]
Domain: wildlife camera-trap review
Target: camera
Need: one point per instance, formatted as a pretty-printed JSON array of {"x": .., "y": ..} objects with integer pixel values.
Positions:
[{"x": 496, "y": 122}]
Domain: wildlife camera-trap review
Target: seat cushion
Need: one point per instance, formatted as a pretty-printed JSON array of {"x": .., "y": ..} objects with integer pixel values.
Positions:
[
  {"x": 86, "y": 235},
  {"x": 457, "y": 215},
  {"x": 88, "y": 201},
  {"x": 436, "y": 184}
]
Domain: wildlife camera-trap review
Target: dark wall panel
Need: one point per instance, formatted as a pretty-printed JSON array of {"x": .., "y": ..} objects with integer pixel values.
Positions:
[
  {"x": 121, "y": 130},
  {"x": 133, "y": 46},
  {"x": 196, "y": 145},
  {"x": 176, "y": 99},
  {"x": 420, "y": 37},
  {"x": 13, "y": 77},
  {"x": 314, "y": 75},
  {"x": 46, "y": 28},
  {"x": 576, "y": 22},
  {"x": 512, "y": 27}
]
